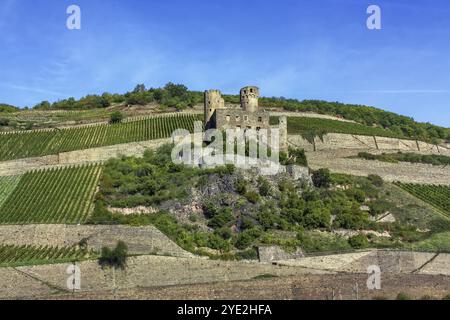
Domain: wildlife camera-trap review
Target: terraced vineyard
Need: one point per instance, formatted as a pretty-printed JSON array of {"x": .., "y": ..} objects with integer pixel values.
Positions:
[
  {"x": 46, "y": 142},
  {"x": 62, "y": 195},
  {"x": 303, "y": 125},
  {"x": 436, "y": 195},
  {"x": 13, "y": 256},
  {"x": 7, "y": 185}
]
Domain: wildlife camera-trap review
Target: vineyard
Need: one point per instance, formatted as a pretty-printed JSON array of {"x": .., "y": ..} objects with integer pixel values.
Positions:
[
  {"x": 62, "y": 195},
  {"x": 25, "y": 144},
  {"x": 435, "y": 195},
  {"x": 7, "y": 186},
  {"x": 13, "y": 256},
  {"x": 302, "y": 125}
]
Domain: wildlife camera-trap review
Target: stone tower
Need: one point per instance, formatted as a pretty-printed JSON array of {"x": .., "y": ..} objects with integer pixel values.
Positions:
[
  {"x": 213, "y": 101},
  {"x": 249, "y": 98}
]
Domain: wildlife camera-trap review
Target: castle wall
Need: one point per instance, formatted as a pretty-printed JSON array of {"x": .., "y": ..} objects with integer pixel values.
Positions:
[{"x": 232, "y": 118}]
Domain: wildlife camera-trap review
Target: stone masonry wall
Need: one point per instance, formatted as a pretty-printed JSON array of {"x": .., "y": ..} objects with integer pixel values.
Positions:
[
  {"x": 348, "y": 141},
  {"x": 93, "y": 155}
]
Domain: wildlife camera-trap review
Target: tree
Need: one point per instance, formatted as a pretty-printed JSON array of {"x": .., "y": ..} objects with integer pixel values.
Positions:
[
  {"x": 45, "y": 105},
  {"x": 116, "y": 117},
  {"x": 321, "y": 178},
  {"x": 116, "y": 258},
  {"x": 139, "y": 88}
]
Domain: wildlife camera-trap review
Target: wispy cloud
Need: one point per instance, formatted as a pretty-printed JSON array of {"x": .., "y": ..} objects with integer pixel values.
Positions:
[{"x": 33, "y": 90}]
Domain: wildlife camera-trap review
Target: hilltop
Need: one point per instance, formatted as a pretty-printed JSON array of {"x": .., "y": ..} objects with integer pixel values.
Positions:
[{"x": 176, "y": 97}]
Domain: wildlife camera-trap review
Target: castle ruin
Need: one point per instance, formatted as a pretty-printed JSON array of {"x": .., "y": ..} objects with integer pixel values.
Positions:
[{"x": 247, "y": 116}]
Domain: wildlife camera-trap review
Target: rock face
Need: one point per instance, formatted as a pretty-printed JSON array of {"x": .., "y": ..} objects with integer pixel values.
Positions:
[{"x": 275, "y": 253}]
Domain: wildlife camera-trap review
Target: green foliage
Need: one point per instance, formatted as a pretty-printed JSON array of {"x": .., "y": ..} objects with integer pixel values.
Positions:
[
  {"x": 436, "y": 195},
  {"x": 403, "y": 296},
  {"x": 380, "y": 206},
  {"x": 62, "y": 195},
  {"x": 7, "y": 186},
  {"x": 6, "y": 108},
  {"x": 439, "y": 242},
  {"x": 116, "y": 117},
  {"x": 252, "y": 197},
  {"x": 294, "y": 156},
  {"x": 153, "y": 179},
  {"x": 241, "y": 186},
  {"x": 434, "y": 159},
  {"x": 247, "y": 238},
  {"x": 310, "y": 128},
  {"x": 358, "y": 242},
  {"x": 40, "y": 143},
  {"x": 322, "y": 178},
  {"x": 264, "y": 187},
  {"x": 221, "y": 219},
  {"x": 356, "y": 194},
  {"x": 116, "y": 258},
  {"x": 352, "y": 218},
  {"x": 307, "y": 211},
  {"x": 321, "y": 242},
  {"x": 14, "y": 256},
  {"x": 376, "y": 180}
]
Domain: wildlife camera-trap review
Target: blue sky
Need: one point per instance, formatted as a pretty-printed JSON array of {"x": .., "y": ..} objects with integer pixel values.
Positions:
[{"x": 309, "y": 49}]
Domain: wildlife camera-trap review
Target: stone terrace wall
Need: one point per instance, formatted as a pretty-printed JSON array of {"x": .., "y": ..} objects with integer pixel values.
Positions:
[
  {"x": 93, "y": 155},
  {"x": 348, "y": 141},
  {"x": 337, "y": 161},
  {"x": 140, "y": 240}
]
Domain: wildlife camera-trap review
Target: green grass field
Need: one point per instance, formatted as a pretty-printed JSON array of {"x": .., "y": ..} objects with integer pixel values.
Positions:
[
  {"x": 63, "y": 195},
  {"x": 14, "y": 256},
  {"x": 25, "y": 144}
]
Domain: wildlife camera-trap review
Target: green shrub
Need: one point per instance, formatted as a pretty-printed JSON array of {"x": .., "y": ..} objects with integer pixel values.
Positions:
[
  {"x": 403, "y": 296},
  {"x": 359, "y": 241},
  {"x": 264, "y": 187},
  {"x": 116, "y": 258},
  {"x": 252, "y": 197},
  {"x": 241, "y": 186},
  {"x": 376, "y": 180},
  {"x": 322, "y": 178},
  {"x": 247, "y": 237},
  {"x": 116, "y": 117}
]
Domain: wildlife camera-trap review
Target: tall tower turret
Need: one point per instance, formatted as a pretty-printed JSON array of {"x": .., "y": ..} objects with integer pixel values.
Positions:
[
  {"x": 249, "y": 98},
  {"x": 213, "y": 101}
]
